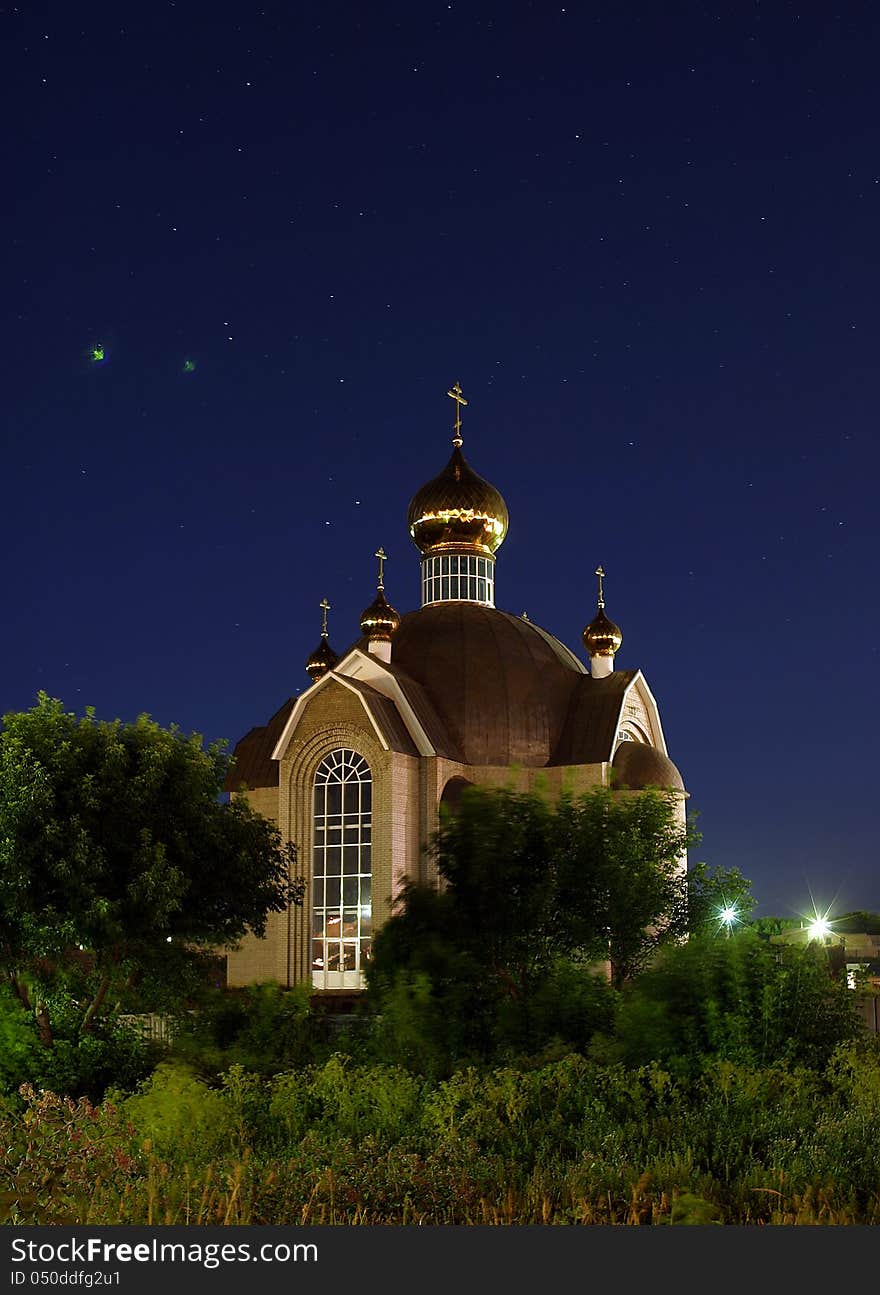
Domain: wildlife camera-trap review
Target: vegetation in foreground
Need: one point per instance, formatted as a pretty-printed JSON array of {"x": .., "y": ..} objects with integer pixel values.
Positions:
[
  {"x": 567, "y": 1142},
  {"x": 494, "y": 1078},
  {"x": 725, "y": 1087}
]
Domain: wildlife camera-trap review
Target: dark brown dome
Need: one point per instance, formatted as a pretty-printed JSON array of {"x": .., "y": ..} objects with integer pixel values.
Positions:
[
  {"x": 501, "y": 685},
  {"x": 639, "y": 766}
]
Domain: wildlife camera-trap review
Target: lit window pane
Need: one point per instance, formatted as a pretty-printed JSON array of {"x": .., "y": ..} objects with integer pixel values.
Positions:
[{"x": 343, "y": 803}]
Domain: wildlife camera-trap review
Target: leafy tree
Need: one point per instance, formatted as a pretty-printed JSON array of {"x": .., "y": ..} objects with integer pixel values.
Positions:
[
  {"x": 527, "y": 887},
  {"x": 711, "y": 891},
  {"x": 119, "y": 865},
  {"x": 623, "y": 883},
  {"x": 743, "y": 1000}
]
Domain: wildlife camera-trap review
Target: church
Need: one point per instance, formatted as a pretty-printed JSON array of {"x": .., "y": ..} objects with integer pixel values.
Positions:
[{"x": 354, "y": 770}]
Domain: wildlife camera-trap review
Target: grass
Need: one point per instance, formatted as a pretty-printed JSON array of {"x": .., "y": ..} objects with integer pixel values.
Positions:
[{"x": 571, "y": 1142}]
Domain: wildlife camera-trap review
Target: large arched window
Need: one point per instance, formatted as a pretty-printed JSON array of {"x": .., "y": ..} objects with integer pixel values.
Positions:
[{"x": 341, "y": 871}]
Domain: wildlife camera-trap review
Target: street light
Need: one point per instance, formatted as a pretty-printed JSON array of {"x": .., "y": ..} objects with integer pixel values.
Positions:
[
  {"x": 726, "y": 917},
  {"x": 818, "y": 929}
]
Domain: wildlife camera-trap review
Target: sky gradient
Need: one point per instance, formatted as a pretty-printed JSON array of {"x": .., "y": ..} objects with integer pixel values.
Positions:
[{"x": 646, "y": 244}]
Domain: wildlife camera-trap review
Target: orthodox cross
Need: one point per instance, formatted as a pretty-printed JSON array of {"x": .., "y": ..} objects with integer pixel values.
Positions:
[
  {"x": 383, "y": 558},
  {"x": 325, "y": 607},
  {"x": 459, "y": 399},
  {"x": 601, "y": 574}
]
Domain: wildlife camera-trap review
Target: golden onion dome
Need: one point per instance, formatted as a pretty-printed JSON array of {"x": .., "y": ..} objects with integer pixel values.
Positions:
[
  {"x": 380, "y": 620},
  {"x": 322, "y": 659},
  {"x": 602, "y": 637},
  {"x": 457, "y": 511}
]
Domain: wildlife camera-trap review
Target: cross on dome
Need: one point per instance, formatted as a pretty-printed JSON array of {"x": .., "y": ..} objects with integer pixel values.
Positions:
[{"x": 459, "y": 399}]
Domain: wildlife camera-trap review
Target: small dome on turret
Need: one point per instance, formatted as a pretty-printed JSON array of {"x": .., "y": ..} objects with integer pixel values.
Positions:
[
  {"x": 323, "y": 658},
  {"x": 602, "y": 637},
  {"x": 380, "y": 619}
]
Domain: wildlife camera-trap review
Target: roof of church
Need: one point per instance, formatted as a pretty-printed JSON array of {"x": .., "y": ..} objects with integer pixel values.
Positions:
[
  {"x": 639, "y": 766},
  {"x": 435, "y": 730},
  {"x": 499, "y": 685},
  {"x": 254, "y": 766},
  {"x": 487, "y": 688},
  {"x": 386, "y": 714},
  {"x": 592, "y": 719}
]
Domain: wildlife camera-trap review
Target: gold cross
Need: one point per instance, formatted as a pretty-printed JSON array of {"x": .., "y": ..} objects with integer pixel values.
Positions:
[
  {"x": 459, "y": 399},
  {"x": 383, "y": 558},
  {"x": 325, "y": 607},
  {"x": 601, "y": 574}
]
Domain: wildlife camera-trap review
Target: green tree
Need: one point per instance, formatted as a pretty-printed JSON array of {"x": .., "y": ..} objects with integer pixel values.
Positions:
[
  {"x": 530, "y": 887},
  {"x": 743, "y": 999},
  {"x": 622, "y": 878},
  {"x": 119, "y": 865}
]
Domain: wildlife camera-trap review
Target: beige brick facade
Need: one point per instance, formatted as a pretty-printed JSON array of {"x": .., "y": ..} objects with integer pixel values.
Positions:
[{"x": 407, "y": 791}]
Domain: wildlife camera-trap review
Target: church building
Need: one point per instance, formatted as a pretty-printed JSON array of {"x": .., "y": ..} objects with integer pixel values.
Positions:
[{"x": 354, "y": 770}]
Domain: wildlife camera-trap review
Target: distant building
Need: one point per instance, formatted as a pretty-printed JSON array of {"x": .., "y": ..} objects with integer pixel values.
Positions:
[{"x": 454, "y": 694}]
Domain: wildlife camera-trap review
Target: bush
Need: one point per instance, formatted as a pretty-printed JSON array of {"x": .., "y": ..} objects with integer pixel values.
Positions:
[
  {"x": 739, "y": 999},
  {"x": 263, "y": 1028},
  {"x": 77, "y": 1065}
]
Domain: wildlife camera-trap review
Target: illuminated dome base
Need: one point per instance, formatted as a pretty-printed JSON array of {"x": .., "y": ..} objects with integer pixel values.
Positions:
[{"x": 458, "y": 577}]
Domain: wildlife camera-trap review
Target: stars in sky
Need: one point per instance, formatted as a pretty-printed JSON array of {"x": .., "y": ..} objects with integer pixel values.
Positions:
[{"x": 673, "y": 263}]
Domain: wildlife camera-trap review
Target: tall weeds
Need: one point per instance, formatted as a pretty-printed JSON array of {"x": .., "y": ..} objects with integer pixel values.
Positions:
[{"x": 572, "y": 1142}]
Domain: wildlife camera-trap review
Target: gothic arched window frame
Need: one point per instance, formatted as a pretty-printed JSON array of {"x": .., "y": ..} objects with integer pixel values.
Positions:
[{"x": 341, "y": 885}]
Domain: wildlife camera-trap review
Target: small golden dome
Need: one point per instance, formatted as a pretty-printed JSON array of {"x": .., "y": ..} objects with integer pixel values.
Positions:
[
  {"x": 322, "y": 659},
  {"x": 458, "y": 512},
  {"x": 602, "y": 637},
  {"x": 380, "y": 620}
]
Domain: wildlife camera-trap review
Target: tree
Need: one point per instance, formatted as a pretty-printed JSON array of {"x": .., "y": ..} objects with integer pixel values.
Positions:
[
  {"x": 621, "y": 865},
  {"x": 743, "y": 1000},
  {"x": 527, "y": 887},
  {"x": 119, "y": 864}
]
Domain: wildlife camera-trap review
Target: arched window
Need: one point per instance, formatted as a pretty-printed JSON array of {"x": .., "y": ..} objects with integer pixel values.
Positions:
[{"x": 341, "y": 871}]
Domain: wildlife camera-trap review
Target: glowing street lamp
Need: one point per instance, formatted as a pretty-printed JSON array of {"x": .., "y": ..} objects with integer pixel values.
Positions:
[
  {"x": 726, "y": 917},
  {"x": 818, "y": 929}
]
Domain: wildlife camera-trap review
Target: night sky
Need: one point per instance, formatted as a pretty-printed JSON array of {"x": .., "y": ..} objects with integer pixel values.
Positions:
[{"x": 643, "y": 237}]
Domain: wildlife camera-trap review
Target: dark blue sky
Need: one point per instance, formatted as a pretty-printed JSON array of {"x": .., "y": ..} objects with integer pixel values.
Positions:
[{"x": 645, "y": 239}]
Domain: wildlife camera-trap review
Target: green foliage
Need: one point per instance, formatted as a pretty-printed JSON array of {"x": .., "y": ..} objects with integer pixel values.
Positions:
[
  {"x": 78, "y": 1065},
  {"x": 497, "y": 963},
  {"x": 180, "y": 1115},
  {"x": 113, "y": 840},
  {"x": 568, "y": 1142},
  {"x": 856, "y": 923},
  {"x": 264, "y": 1028},
  {"x": 19, "y": 1044},
  {"x": 710, "y": 891},
  {"x": 740, "y": 999}
]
